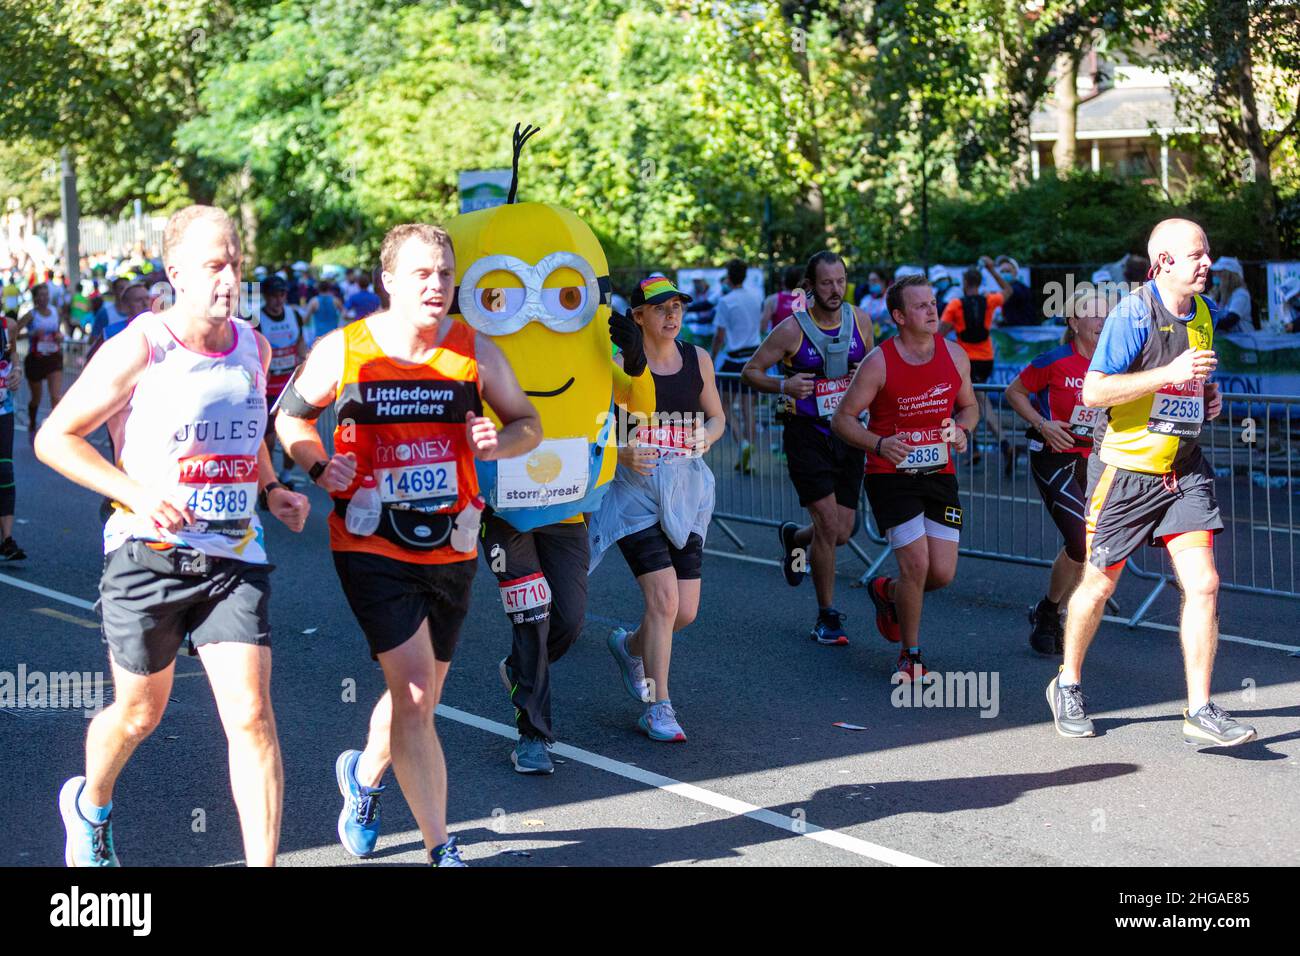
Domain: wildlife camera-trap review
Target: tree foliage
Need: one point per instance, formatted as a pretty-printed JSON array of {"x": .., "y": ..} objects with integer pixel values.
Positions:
[{"x": 683, "y": 130}]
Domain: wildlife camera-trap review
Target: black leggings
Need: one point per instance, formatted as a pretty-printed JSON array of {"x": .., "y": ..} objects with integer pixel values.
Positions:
[
  {"x": 1062, "y": 479},
  {"x": 8, "y": 493}
]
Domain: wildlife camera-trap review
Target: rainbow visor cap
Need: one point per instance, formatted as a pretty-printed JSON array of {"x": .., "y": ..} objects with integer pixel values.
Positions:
[{"x": 655, "y": 289}]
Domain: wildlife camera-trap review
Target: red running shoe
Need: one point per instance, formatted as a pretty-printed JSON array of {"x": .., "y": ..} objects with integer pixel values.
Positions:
[
  {"x": 913, "y": 668},
  {"x": 886, "y": 610}
]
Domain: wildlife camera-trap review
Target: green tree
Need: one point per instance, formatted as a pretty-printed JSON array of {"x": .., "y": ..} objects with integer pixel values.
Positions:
[{"x": 1244, "y": 56}]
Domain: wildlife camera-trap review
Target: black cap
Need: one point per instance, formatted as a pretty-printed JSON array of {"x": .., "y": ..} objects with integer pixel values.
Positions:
[{"x": 273, "y": 284}]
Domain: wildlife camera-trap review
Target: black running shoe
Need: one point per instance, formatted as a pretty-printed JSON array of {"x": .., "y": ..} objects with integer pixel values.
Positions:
[
  {"x": 1047, "y": 636},
  {"x": 1210, "y": 725},
  {"x": 1067, "y": 703},
  {"x": 793, "y": 577},
  {"x": 9, "y": 551}
]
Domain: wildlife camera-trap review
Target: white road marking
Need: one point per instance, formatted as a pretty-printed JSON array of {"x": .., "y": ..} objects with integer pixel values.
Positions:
[
  {"x": 874, "y": 851},
  {"x": 46, "y": 592},
  {"x": 795, "y": 827},
  {"x": 1231, "y": 638},
  {"x": 1290, "y": 648},
  {"x": 743, "y": 557}
]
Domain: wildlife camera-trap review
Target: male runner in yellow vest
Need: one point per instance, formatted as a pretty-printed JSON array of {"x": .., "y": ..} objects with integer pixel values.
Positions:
[{"x": 1148, "y": 481}]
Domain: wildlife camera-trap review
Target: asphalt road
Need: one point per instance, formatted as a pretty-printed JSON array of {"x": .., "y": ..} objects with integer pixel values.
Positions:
[{"x": 766, "y": 777}]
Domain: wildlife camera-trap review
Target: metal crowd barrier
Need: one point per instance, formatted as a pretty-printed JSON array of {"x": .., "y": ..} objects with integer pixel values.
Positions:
[{"x": 1252, "y": 448}]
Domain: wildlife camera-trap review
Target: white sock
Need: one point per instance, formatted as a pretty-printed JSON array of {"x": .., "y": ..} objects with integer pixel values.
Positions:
[{"x": 1196, "y": 703}]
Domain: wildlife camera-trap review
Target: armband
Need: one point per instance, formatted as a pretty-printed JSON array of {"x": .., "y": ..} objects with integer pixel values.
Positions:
[{"x": 294, "y": 405}]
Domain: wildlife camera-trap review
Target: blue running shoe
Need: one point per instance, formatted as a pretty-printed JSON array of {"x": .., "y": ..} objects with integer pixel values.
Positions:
[
  {"x": 530, "y": 756},
  {"x": 829, "y": 629},
  {"x": 359, "y": 819},
  {"x": 88, "y": 844},
  {"x": 446, "y": 855},
  {"x": 659, "y": 722},
  {"x": 631, "y": 668}
]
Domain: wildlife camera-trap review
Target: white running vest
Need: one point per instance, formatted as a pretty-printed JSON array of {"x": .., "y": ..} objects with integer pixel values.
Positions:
[
  {"x": 283, "y": 335},
  {"x": 195, "y": 424}
]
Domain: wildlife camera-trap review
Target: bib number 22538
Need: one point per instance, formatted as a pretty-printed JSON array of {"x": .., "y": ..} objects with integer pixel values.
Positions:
[{"x": 1178, "y": 413}]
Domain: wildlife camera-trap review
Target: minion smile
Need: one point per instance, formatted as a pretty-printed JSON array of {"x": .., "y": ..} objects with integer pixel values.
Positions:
[{"x": 553, "y": 392}]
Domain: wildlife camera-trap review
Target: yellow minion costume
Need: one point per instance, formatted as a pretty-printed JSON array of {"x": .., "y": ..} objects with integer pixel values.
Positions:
[{"x": 534, "y": 279}]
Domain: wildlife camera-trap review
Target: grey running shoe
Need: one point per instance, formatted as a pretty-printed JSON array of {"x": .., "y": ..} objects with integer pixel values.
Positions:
[
  {"x": 530, "y": 756},
  {"x": 1066, "y": 701},
  {"x": 1210, "y": 725},
  {"x": 659, "y": 722},
  {"x": 631, "y": 668}
]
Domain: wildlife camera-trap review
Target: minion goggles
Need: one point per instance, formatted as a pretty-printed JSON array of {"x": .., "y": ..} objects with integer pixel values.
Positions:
[{"x": 506, "y": 311}]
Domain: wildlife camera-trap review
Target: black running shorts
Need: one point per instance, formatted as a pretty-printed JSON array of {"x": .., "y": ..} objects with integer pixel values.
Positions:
[
  {"x": 147, "y": 609},
  {"x": 392, "y": 598},
  {"x": 820, "y": 464},
  {"x": 649, "y": 550},
  {"x": 896, "y": 499},
  {"x": 1127, "y": 509}
]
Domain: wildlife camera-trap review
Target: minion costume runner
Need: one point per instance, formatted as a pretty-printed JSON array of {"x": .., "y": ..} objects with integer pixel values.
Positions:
[{"x": 533, "y": 277}]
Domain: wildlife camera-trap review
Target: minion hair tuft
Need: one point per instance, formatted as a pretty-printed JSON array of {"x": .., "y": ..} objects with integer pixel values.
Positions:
[{"x": 520, "y": 138}]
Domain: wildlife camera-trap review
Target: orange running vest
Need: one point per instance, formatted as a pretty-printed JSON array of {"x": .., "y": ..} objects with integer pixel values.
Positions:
[{"x": 406, "y": 425}]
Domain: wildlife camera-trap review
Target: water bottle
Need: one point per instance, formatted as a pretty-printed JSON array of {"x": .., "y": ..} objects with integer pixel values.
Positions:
[
  {"x": 362, "y": 518},
  {"x": 464, "y": 532}
]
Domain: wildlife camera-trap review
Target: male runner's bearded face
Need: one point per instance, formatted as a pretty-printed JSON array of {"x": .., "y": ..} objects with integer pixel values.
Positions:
[
  {"x": 828, "y": 288},
  {"x": 421, "y": 283},
  {"x": 204, "y": 270}
]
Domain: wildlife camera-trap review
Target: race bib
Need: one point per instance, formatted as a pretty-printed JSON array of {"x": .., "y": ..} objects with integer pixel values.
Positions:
[
  {"x": 1083, "y": 420},
  {"x": 221, "y": 490},
  {"x": 417, "y": 474},
  {"x": 47, "y": 345},
  {"x": 283, "y": 360},
  {"x": 928, "y": 452},
  {"x": 555, "y": 472},
  {"x": 1178, "y": 410},
  {"x": 672, "y": 442},
  {"x": 525, "y": 594},
  {"x": 828, "y": 392}
]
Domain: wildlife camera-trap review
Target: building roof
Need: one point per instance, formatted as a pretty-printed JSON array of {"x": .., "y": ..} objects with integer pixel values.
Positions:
[{"x": 1118, "y": 113}]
